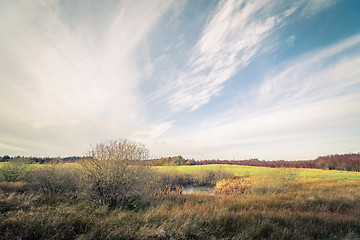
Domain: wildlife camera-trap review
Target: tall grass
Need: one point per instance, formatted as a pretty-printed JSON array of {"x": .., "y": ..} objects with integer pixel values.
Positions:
[
  {"x": 55, "y": 180},
  {"x": 310, "y": 210}
]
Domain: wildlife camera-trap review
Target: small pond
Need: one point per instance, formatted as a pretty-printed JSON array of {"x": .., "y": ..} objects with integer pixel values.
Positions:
[{"x": 203, "y": 190}]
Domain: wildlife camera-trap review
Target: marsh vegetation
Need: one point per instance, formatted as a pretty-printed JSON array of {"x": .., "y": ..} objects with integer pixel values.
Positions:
[{"x": 109, "y": 197}]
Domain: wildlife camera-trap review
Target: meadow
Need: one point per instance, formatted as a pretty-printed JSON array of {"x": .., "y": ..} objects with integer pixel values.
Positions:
[
  {"x": 251, "y": 203},
  {"x": 264, "y": 171}
]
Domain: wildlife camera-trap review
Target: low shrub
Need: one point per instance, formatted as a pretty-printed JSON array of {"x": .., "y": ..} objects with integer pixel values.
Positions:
[
  {"x": 171, "y": 182},
  {"x": 209, "y": 177},
  {"x": 114, "y": 176},
  {"x": 233, "y": 186},
  {"x": 13, "y": 172},
  {"x": 116, "y": 183},
  {"x": 200, "y": 178},
  {"x": 54, "y": 180}
]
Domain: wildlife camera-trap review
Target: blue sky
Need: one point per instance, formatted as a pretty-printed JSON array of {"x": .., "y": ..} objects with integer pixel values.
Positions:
[{"x": 202, "y": 79}]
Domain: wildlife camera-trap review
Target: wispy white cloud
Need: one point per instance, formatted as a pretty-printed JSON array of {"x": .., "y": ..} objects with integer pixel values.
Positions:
[
  {"x": 312, "y": 7},
  {"x": 310, "y": 106},
  {"x": 290, "y": 41},
  {"x": 227, "y": 44},
  {"x": 237, "y": 32},
  {"x": 314, "y": 76}
]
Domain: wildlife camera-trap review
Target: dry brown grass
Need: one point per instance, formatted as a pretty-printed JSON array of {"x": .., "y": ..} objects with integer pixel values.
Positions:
[
  {"x": 276, "y": 208},
  {"x": 17, "y": 187}
]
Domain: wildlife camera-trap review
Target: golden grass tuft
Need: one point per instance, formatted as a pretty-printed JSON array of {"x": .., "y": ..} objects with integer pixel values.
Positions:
[{"x": 232, "y": 186}]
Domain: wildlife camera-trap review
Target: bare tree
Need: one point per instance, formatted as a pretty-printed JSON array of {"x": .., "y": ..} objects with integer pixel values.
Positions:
[
  {"x": 113, "y": 176},
  {"x": 119, "y": 150}
]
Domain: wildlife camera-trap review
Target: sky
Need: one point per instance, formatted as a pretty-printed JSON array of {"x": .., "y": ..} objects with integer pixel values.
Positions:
[{"x": 233, "y": 79}]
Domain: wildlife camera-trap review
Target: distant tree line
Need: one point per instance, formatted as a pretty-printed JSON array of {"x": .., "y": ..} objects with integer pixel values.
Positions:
[
  {"x": 170, "y": 161},
  {"x": 41, "y": 160},
  {"x": 344, "y": 162}
]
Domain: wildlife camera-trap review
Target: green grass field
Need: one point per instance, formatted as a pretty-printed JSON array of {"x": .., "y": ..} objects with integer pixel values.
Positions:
[
  {"x": 246, "y": 171},
  {"x": 264, "y": 171}
]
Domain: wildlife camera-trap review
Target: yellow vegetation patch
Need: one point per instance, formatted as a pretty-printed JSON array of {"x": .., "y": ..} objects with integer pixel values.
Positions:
[{"x": 232, "y": 186}]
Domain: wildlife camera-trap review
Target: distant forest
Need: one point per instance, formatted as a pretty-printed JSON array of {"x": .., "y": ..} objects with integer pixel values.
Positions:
[
  {"x": 41, "y": 160},
  {"x": 344, "y": 162}
]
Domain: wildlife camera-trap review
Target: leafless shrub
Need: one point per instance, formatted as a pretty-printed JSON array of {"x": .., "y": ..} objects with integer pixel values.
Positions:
[
  {"x": 113, "y": 175},
  {"x": 119, "y": 150}
]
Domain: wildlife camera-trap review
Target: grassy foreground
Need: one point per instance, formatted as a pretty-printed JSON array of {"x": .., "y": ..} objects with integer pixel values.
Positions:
[{"x": 280, "y": 204}]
